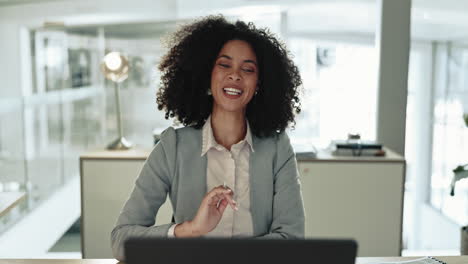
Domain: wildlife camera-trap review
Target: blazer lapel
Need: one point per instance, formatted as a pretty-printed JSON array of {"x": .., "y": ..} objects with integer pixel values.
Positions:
[
  {"x": 193, "y": 178},
  {"x": 261, "y": 187},
  {"x": 197, "y": 182}
]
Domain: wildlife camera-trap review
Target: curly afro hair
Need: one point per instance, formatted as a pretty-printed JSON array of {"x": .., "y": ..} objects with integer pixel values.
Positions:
[{"x": 186, "y": 75}]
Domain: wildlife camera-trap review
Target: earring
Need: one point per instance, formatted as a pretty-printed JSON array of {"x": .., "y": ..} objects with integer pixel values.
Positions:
[
  {"x": 256, "y": 91},
  {"x": 208, "y": 92}
]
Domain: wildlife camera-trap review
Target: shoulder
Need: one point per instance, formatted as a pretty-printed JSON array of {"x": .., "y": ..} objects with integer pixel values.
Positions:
[
  {"x": 187, "y": 131},
  {"x": 166, "y": 150},
  {"x": 188, "y": 136},
  {"x": 282, "y": 136},
  {"x": 185, "y": 139},
  {"x": 276, "y": 148},
  {"x": 278, "y": 141},
  {"x": 283, "y": 147},
  {"x": 167, "y": 138},
  {"x": 172, "y": 134}
]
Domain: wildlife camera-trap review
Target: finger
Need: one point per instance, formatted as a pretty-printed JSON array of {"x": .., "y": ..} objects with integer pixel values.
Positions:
[
  {"x": 220, "y": 197},
  {"x": 215, "y": 193},
  {"x": 218, "y": 203},
  {"x": 222, "y": 206},
  {"x": 216, "y": 198},
  {"x": 221, "y": 190},
  {"x": 229, "y": 199},
  {"x": 231, "y": 202},
  {"x": 222, "y": 187},
  {"x": 219, "y": 193}
]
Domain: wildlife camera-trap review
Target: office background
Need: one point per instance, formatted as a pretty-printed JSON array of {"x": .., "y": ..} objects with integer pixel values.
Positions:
[{"x": 55, "y": 103}]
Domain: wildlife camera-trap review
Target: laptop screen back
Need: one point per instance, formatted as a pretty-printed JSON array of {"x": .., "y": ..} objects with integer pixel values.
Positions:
[{"x": 227, "y": 251}]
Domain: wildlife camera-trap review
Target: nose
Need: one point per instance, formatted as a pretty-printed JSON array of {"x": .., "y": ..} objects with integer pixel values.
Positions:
[{"x": 234, "y": 75}]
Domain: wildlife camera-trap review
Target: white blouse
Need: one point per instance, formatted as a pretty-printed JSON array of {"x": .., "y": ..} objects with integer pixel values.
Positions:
[{"x": 230, "y": 167}]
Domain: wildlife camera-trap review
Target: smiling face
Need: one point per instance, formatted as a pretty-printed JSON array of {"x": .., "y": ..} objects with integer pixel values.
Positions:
[{"x": 234, "y": 77}]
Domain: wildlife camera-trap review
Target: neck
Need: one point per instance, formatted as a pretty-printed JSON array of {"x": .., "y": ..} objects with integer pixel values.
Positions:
[{"x": 228, "y": 127}]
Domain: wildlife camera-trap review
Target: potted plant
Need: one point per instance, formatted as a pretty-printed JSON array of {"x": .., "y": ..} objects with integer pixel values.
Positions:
[{"x": 460, "y": 173}]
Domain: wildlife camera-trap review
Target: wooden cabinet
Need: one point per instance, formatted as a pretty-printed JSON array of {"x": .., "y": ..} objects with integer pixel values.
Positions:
[{"x": 360, "y": 198}]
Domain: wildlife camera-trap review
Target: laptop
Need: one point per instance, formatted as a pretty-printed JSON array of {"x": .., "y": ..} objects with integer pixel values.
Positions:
[{"x": 239, "y": 251}]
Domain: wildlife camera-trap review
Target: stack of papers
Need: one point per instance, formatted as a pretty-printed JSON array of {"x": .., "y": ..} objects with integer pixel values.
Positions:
[{"x": 357, "y": 148}]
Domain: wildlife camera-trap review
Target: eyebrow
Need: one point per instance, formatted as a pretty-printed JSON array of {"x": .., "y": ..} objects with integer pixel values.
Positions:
[{"x": 228, "y": 57}]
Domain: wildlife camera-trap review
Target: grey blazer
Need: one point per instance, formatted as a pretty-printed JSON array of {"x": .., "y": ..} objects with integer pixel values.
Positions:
[{"x": 175, "y": 168}]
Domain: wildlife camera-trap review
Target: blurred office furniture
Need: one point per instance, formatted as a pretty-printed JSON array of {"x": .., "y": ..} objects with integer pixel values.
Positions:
[
  {"x": 107, "y": 179},
  {"x": 358, "y": 197},
  {"x": 350, "y": 197},
  {"x": 115, "y": 68}
]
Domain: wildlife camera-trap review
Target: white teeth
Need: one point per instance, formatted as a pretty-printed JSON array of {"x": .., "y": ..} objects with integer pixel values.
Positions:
[{"x": 232, "y": 91}]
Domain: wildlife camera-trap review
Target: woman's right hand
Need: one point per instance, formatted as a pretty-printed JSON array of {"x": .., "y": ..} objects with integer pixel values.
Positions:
[{"x": 209, "y": 213}]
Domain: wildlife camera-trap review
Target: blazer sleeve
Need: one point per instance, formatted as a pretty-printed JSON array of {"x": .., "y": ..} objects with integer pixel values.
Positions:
[
  {"x": 288, "y": 207},
  {"x": 137, "y": 217}
]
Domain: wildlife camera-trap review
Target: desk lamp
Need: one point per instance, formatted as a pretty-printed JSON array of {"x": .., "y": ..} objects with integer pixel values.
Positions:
[{"x": 115, "y": 68}]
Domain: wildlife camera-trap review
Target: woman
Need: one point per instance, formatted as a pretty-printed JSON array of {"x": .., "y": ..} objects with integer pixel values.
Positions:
[{"x": 231, "y": 171}]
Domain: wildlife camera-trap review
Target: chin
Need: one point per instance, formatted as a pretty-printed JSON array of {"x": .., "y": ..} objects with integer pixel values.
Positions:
[{"x": 231, "y": 108}]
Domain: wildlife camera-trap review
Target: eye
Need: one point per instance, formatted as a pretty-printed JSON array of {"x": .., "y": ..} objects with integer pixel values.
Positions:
[
  {"x": 248, "y": 70},
  {"x": 223, "y": 65}
]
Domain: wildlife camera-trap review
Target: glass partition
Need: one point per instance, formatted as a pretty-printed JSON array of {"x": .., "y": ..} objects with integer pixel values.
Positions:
[
  {"x": 70, "y": 108},
  {"x": 13, "y": 177}
]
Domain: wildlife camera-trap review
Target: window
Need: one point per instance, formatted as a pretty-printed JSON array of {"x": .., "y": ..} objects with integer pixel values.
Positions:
[
  {"x": 450, "y": 138},
  {"x": 339, "y": 91}
]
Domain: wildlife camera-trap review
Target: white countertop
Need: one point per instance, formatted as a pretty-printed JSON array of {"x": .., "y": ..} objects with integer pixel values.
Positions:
[{"x": 322, "y": 155}]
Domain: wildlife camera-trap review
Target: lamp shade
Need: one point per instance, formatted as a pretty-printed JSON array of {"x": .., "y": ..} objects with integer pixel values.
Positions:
[{"x": 115, "y": 67}]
